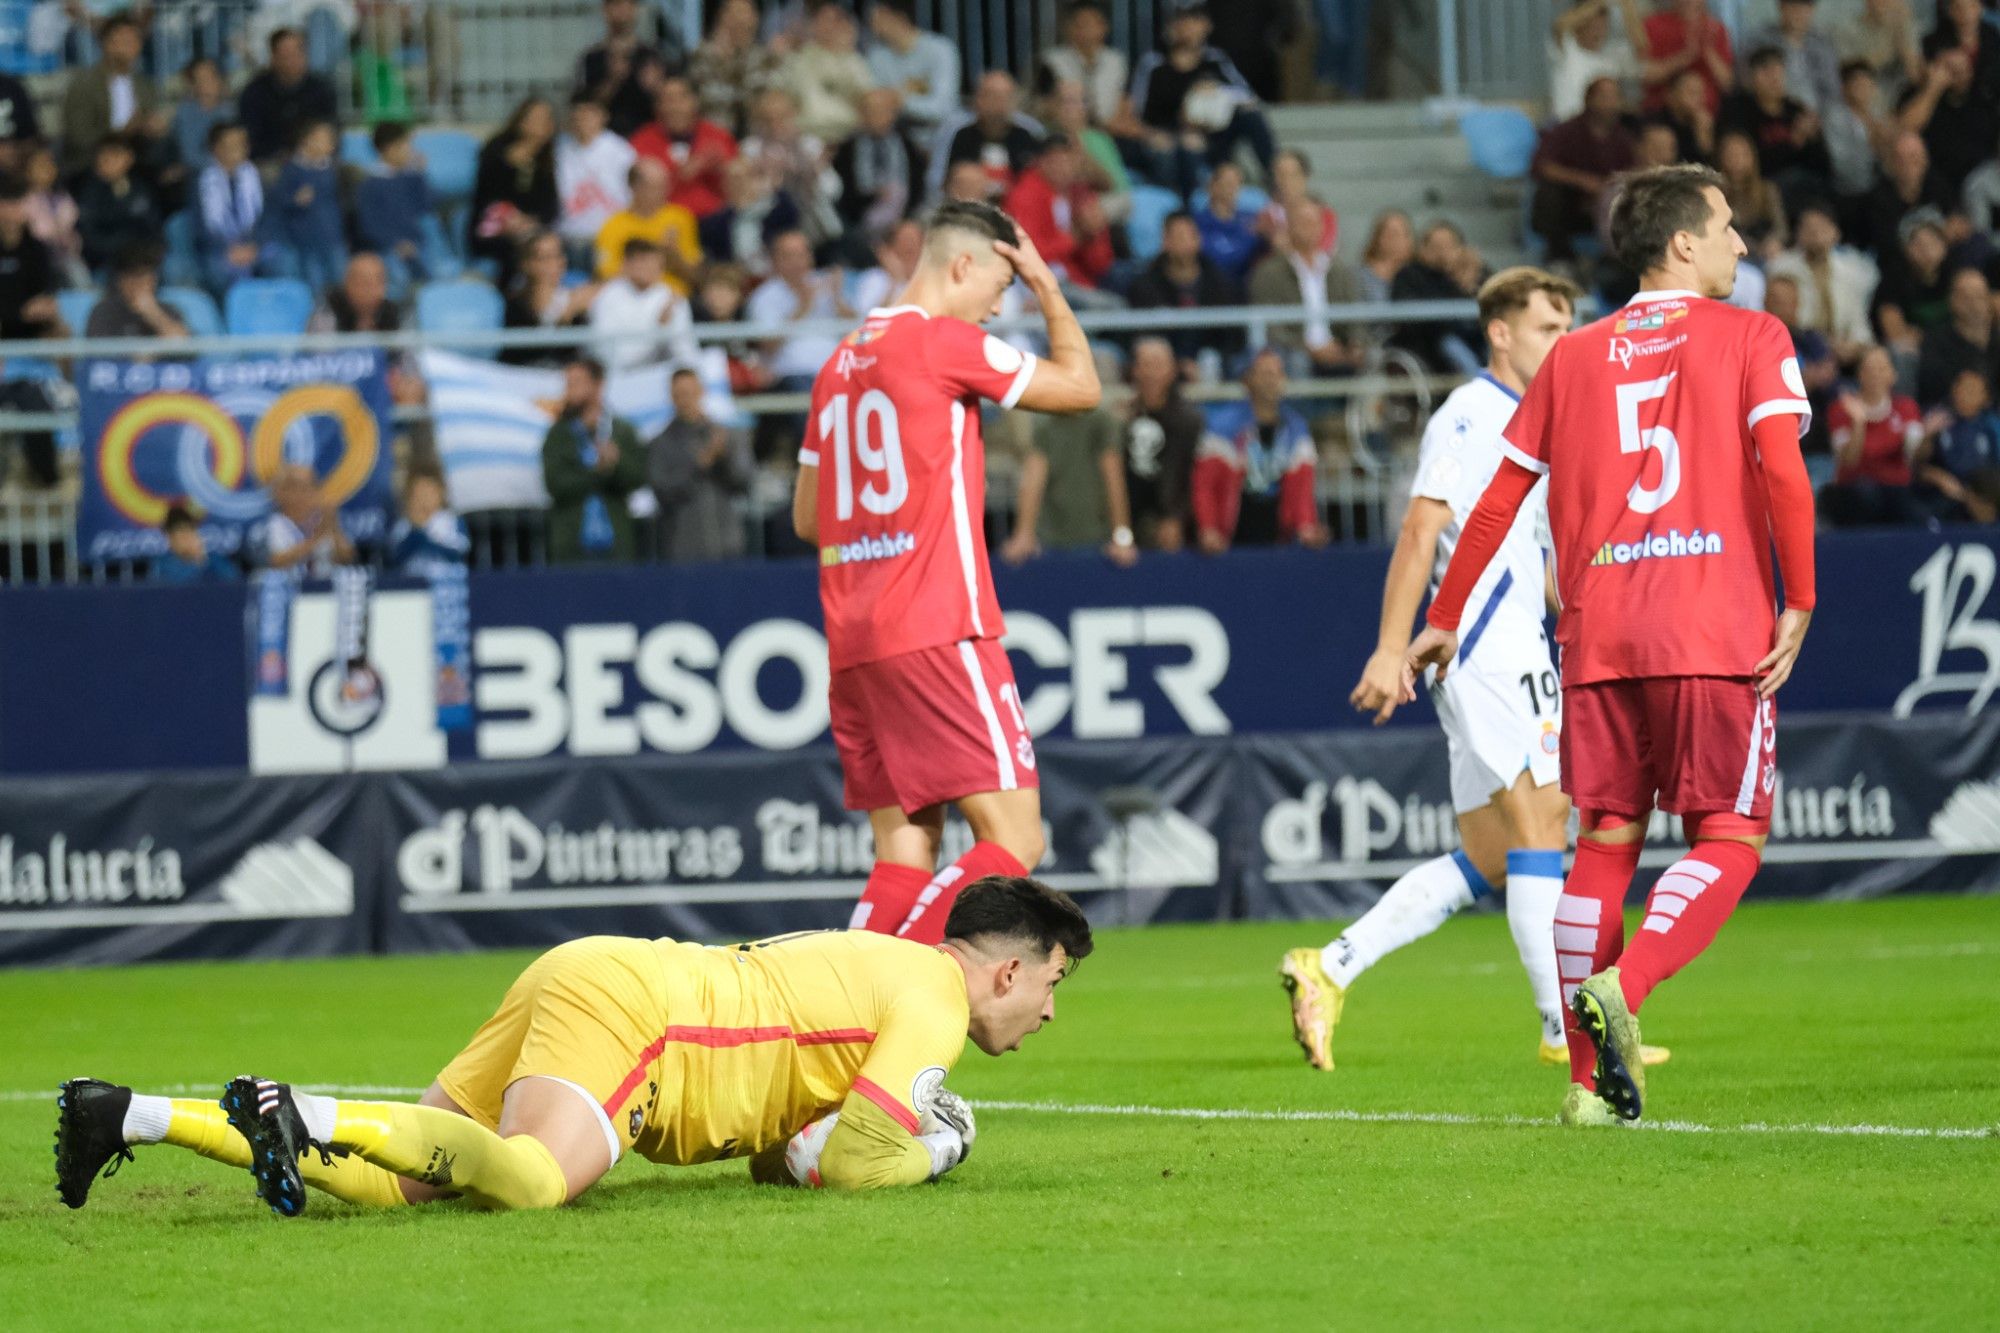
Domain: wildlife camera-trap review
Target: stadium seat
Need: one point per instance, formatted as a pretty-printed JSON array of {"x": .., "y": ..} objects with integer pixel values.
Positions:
[
  {"x": 464, "y": 306},
  {"x": 357, "y": 147},
  {"x": 267, "y": 306},
  {"x": 182, "y": 265},
  {"x": 1150, "y": 206},
  {"x": 1500, "y": 140},
  {"x": 75, "y": 307},
  {"x": 196, "y": 309},
  {"x": 451, "y": 161}
]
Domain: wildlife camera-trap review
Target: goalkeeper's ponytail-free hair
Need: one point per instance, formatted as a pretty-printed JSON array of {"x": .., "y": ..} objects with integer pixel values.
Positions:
[{"x": 1015, "y": 907}]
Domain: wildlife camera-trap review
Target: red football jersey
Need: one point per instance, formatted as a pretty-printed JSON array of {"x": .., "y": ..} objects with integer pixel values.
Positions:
[
  {"x": 1657, "y": 501},
  {"x": 894, "y": 432}
]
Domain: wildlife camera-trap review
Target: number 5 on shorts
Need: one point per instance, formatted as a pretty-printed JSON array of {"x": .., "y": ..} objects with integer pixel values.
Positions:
[{"x": 1633, "y": 440}]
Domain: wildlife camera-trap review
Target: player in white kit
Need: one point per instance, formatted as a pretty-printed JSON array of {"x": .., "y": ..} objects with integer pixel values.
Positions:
[{"x": 1500, "y": 704}]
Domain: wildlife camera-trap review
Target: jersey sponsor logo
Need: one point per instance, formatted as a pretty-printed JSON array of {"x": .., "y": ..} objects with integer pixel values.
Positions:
[
  {"x": 1670, "y": 545},
  {"x": 1623, "y": 350},
  {"x": 848, "y": 361},
  {"x": 1650, "y": 321},
  {"x": 868, "y": 548},
  {"x": 924, "y": 1088}
]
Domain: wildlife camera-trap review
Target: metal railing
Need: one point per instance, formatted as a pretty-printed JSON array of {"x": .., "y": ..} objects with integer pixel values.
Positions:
[{"x": 1364, "y": 475}]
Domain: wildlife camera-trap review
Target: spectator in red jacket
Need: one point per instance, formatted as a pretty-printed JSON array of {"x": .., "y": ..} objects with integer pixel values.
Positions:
[
  {"x": 694, "y": 151},
  {"x": 1256, "y": 475},
  {"x": 1061, "y": 213}
]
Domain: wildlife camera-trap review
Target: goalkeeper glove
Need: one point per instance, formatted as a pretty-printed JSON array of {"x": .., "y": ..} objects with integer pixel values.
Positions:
[{"x": 949, "y": 1110}]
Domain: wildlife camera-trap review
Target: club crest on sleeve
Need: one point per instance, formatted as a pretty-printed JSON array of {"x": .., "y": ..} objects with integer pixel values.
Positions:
[{"x": 924, "y": 1088}]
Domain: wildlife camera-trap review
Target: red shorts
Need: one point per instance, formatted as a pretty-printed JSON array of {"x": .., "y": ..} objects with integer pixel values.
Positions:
[
  {"x": 921, "y": 728},
  {"x": 1688, "y": 744}
]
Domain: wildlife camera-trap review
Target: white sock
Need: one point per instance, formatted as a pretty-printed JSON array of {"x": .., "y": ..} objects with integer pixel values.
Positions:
[
  {"x": 1414, "y": 906},
  {"x": 318, "y": 1112},
  {"x": 146, "y": 1119},
  {"x": 1534, "y": 885}
]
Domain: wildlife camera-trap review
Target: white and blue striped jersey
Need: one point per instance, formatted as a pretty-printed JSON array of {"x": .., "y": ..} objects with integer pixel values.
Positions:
[{"x": 1459, "y": 455}]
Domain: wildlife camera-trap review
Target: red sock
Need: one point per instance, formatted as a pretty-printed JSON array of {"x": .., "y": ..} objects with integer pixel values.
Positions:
[
  {"x": 1686, "y": 908},
  {"x": 925, "y": 923},
  {"x": 888, "y": 896},
  {"x": 1590, "y": 930}
]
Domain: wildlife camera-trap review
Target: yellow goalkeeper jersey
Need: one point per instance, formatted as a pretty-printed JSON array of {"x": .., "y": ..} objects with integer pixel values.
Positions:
[{"x": 760, "y": 1039}]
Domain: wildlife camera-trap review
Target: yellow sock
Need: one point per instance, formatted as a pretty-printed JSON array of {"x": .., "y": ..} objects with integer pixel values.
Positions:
[
  {"x": 451, "y": 1151},
  {"x": 204, "y": 1128}
]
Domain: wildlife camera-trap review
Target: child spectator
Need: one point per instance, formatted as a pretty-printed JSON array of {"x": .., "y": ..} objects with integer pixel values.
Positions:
[
  {"x": 391, "y": 206},
  {"x": 205, "y": 105},
  {"x": 231, "y": 197},
  {"x": 638, "y": 303},
  {"x": 52, "y": 215},
  {"x": 302, "y": 215},
  {"x": 719, "y": 300},
  {"x": 188, "y": 559},
  {"x": 1960, "y": 472},
  {"x": 593, "y": 176},
  {"x": 113, "y": 209},
  {"x": 428, "y": 535},
  {"x": 1228, "y": 240}
]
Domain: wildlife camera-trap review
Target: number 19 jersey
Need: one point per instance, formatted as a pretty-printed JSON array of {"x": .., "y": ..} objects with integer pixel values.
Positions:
[
  {"x": 1657, "y": 501},
  {"x": 895, "y": 434}
]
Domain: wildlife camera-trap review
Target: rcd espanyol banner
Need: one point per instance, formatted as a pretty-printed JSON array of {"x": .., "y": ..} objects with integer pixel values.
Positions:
[{"x": 212, "y": 434}]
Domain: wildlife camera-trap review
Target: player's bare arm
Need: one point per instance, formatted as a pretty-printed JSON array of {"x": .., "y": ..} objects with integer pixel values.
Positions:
[
  {"x": 1380, "y": 690},
  {"x": 805, "y": 504},
  {"x": 1478, "y": 540},
  {"x": 1065, "y": 381}
]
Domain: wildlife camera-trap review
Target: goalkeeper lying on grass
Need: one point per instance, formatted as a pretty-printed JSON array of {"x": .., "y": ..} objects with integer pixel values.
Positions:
[{"x": 680, "y": 1052}]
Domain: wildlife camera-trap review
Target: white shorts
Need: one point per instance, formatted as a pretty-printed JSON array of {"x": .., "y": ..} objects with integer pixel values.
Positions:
[{"x": 1501, "y": 715}]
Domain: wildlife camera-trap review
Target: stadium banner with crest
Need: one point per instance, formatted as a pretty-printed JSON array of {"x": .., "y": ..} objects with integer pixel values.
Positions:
[
  {"x": 738, "y": 845},
  {"x": 212, "y": 433}
]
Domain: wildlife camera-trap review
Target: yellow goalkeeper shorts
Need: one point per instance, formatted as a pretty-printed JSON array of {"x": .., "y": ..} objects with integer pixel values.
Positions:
[{"x": 591, "y": 1013}]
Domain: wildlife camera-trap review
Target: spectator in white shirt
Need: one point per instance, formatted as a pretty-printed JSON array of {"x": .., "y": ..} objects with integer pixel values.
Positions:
[
  {"x": 920, "y": 67},
  {"x": 593, "y": 169},
  {"x": 303, "y": 535},
  {"x": 1583, "y": 49},
  {"x": 638, "y": 302},
  {"x": 1085, "y": 59},
  {"x": 797, "y": 291},
  {"x": 1836, "y": 284}
]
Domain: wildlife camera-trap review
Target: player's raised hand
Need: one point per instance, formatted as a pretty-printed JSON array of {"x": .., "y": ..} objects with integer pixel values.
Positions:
[
  {"x": 1027, "y": 261},
  {"x": 1434, "y": 647},
  {"x": 1381, "y": 688},
  {"x": 1776, "y": 668}
]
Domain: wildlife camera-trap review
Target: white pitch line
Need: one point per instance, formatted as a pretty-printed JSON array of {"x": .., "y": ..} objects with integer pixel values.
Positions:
[
  {"x": 1456, "y": 1118},
  {"x": 1333, "y": 1116}
]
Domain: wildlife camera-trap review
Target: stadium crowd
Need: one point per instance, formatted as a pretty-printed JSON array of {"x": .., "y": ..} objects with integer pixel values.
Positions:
[{"x": 772, "y": 172}]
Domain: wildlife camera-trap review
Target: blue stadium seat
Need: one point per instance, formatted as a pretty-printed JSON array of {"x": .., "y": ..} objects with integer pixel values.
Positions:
[
  {"x": 463, "y": 306},
  {"x": 196, "y": 309},
  {"x": 1150, "y": 206},
  {"x": 267, "y": 306},
  {"x": 358, "y": 147},
  {"x": 182, "y": 265},
  {"x": 451, "y": 161},
  {"x": 75, "y": 307},
  {"x": 1500, "y": 140}
]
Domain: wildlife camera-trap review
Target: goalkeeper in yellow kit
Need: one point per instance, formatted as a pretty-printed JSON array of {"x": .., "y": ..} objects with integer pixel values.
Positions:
[{"x": 680, "y": 1052}]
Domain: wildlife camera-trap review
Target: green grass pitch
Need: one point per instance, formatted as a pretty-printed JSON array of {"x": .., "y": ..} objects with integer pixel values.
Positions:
[{"x": 1427, "y": 1186}]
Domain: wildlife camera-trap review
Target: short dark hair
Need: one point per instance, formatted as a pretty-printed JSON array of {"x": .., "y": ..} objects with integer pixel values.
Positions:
[
  {"x": 687, "y": 371},
  {"x": 1178, "y": 215},
  {"x": 1766, "y": 55},
  {"x": 1014, "y": 907},
  {"x": 279, "y": 36},
  {"x": 1652, "y": 206},
  {"x": 1097, "y": 7},
  {"x": 122, "y": 19},
  {"x": 1850, "y": 68},
  {"x": 639, "y": 245},
  {"x": 1816, "y": 204},
  {"x": 975, "y": 216},
  {"x": 114, "y": 140},
  {"x": 590, "y": 366},
  {"x": 906, "y": 9},
  {"x": 138, "y": 257},
  {"x": 220, "y": 128},
  {"x": 420, "y": 472},
  {"x": 178, "y": 516},
  {"x": 13, "y": 187},
  {"x": 1305, "y": 163},
  {"x": 306, "y": 128},
  {"x": 388, "y": 134}
]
